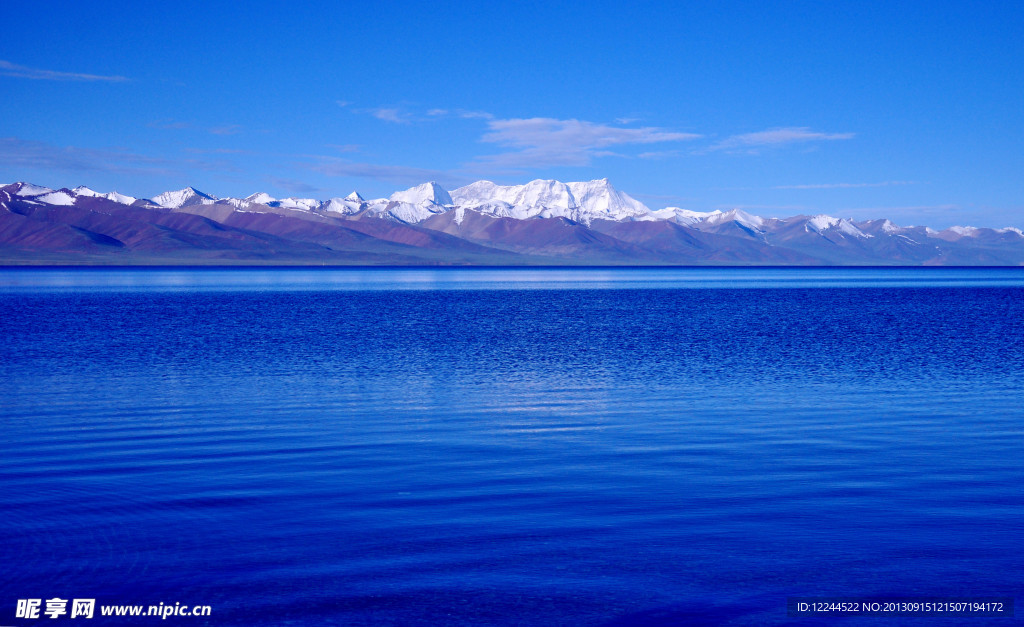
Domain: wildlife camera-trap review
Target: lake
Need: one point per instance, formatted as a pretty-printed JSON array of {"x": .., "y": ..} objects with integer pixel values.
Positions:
[{"x": 510, "y": 446}]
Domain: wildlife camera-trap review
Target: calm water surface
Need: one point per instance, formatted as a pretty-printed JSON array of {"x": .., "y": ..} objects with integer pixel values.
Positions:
[{"x": 544, "y": 446}]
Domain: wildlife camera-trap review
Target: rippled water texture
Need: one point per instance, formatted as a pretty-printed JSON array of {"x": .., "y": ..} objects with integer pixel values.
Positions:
[{"x": 509, "y": 446}]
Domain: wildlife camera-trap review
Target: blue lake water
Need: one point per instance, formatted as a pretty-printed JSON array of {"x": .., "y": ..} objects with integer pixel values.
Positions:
[{"x": 509, "y": 446}]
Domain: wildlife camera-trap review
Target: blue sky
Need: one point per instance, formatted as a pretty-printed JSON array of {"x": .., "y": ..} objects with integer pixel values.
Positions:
[{"x": 912, "y": 111}]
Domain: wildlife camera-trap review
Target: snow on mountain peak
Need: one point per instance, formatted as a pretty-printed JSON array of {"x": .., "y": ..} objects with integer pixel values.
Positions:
[
  {"x": 545, "y": 193},
  {"x": 582, "y": 201},
  {"x": 301, "y": 204},
  {"x": 889, "y": 227},
  {"x": 57, "y": 198},
  {"x": 183, "y": 198},
  {"x": 82, "y": 190},
  {"x": 822, "y": 222},
  {"x": 28, "y": 189},
  {"x": 737, "y": 215},
  {"x": 599, "y": 199},
  {"x": 120, "y": 198},
  {"x": 480, "y": 192},
  {"x": 427, "y": 193},
  {"x": 847, "y": 227},
  {"x": 349, "y": 205},
  {"x": 260, "y": 198},
  {"x": 679, "y": 216},
  {"x": 964, "y": 231}
]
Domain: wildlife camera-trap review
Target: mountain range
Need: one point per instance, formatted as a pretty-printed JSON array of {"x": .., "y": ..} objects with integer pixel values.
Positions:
[{"x": 543, "y": 222}]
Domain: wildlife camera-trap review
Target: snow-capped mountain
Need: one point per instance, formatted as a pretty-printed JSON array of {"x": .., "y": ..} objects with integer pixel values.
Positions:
[
  {"x": 599, "y": 200},
  {"x": 348, "y": 205},
  {"x": 183, "y": 198},
  {"x": 259, "y": 198},
  {"x": 303, "y": 204},
  {"x": 82, "y": 190},
  {"x": 737, "y": 216},
  {"x": 28, "y": 189},
  {"x": 820, "y": 223},
  {"x": 426, "y": 194},
  {"x": 678, "y": 215},
  {"x": 581, "y": 202},
  {"x": 547, "y": 221},
  {"x": 415, "y": 204}
]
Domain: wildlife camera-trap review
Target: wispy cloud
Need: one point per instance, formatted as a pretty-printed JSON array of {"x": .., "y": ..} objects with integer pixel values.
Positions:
[
  {"x": 663, "y": 200},
  {"x": 169, "y": 124},
  {"x": 797, "y": 208},
  {"x": 19, "y": 152},
  {"x": 391, "y": 114},
  {"x": 660, "y": 154},
  {"x": 474, "y": 115},
  {"x": 902, "y": 212},
  {"x": 921, "y": 208},
  {"x": 936, "y": 216},
  {"x": 219, "y": 151},
  {"x": 296, "y": 187},
  {"x": 403, "y": 115},
  {"x": 402, "y": 175},
  {"x": 844, "y": 185},
  {"x": 465, "y": 114},
  {"x": 227, "y": 129},
  {"x": 344, "y": 147},
  {"x": 776, "y": 137},
  {"x": 544, "y": 142},
  {"x": 20, "y": 71}
]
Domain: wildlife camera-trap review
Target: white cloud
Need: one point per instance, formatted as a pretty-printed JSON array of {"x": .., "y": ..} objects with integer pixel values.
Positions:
[
  {"x": 344, "y": 147},
  {"x": 294, "y": 186},
  {"x": 541, "y": 142},
  {"x": 460, "y": 113},
  {"x": 219, "y": 151},
  {"x": 727, "y": 207},
  {"x": 227, "y": 129},
  {"x": 390, "y": 114},
  {"x": 401, "y": 175},
  {"x": 844, "y": 185},
  {"x": 777, "y": 137},
  {"x": 169, "y": 124},
  {"x": 17, "y": 152},
  {"x": 660, "y": 154},
  {"x": 20, "y": 71},
  {"x": 474, "y": 115}
]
